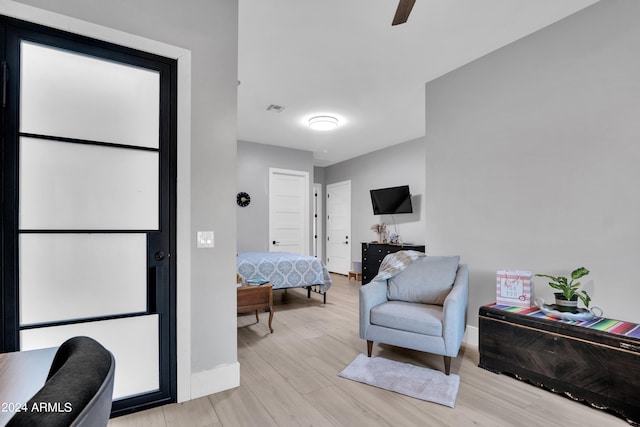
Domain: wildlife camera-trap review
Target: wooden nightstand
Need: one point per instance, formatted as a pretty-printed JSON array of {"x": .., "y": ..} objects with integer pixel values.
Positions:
[{"x": 254, "y": 298}]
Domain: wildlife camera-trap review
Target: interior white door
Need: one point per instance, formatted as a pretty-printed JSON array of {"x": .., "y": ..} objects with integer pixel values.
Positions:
[
  {"x": 339, "y": 227},
  {"x": 289, "y": 211}
]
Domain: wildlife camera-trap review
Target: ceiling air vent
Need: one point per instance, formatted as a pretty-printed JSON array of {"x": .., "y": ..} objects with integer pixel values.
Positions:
[{"x": 275, "y": 108}]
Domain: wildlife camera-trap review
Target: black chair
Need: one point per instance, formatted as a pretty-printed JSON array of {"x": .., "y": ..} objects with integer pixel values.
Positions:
[{"x": 78, "y": 391}]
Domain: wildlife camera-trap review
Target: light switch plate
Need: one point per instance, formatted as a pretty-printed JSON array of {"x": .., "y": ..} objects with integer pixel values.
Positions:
[{"x": 205, "y": 239}]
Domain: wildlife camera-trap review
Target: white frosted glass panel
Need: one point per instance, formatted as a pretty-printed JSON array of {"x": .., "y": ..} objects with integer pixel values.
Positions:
[
  {"x": 133, "y": 342},
  {"x": 71, "y": 95},
  {"x": 75, "y": 276},
  {"x": 86, "y": 187}
]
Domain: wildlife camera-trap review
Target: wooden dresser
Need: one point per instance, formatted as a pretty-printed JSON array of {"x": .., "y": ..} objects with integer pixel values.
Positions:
[
  {"x": 373, "y": 253},
  {"x": 584, "y": 361}
]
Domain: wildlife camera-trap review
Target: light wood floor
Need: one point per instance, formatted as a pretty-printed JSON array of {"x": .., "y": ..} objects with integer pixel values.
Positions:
[{"x": 290, "y": 378}]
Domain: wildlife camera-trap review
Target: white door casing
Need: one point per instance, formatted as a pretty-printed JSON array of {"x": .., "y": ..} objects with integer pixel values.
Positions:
[
  {"x": 289, "y": 211},
  {"x": 339, "y": 227},
  {"x": 318, "y": 221}
]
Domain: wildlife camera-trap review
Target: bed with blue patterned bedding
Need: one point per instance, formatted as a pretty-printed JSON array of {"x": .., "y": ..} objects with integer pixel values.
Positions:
[{"x": 283, "y": 270}]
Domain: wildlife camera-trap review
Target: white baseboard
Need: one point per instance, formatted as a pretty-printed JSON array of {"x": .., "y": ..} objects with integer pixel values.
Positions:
[
  {"x": 472, "y": 336},
  {"x": 215, "y": 380}
]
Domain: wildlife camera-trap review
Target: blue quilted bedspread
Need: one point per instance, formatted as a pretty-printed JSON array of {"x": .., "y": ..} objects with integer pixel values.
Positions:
[{"x": 283, "y": 269}]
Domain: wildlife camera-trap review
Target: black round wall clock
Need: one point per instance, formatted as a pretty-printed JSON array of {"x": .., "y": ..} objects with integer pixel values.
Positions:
[{"x": 243, "y": 199}]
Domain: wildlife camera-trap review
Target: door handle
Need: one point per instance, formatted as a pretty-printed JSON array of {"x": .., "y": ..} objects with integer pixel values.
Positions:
[
  {"x": 276, "y": 243},
  {"x": 159, "y": 256},
  {"x": 157, "y": 290}
]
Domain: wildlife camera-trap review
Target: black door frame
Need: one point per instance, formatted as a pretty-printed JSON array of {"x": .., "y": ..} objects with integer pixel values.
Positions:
[{"x": 161, "y": 276}]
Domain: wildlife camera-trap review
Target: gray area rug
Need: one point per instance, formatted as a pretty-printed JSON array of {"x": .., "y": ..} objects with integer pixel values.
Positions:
[{"x": 404, "y": 378}]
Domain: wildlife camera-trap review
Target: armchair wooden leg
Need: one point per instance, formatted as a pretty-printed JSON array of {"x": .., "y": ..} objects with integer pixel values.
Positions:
[
  {"x": 369, "y": 347},
  {"x": 447, "y": 364}
]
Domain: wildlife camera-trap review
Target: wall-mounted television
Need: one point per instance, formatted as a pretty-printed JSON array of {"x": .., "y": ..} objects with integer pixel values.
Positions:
[{"x": 392, "y": 200}]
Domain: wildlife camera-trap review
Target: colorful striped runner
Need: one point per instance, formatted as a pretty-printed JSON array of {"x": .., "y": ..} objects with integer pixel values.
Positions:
[{"x": 612, "y": 326}]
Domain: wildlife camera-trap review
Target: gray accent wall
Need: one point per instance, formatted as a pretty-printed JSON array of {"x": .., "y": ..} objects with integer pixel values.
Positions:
[
  {"x": 254, "y": 161},
  {"x": 401, "y": 164},
  {"x": 532, "y": 157}
]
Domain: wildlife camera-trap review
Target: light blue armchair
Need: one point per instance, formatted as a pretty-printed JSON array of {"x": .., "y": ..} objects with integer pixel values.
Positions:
[{"x": 424, "y": 307}]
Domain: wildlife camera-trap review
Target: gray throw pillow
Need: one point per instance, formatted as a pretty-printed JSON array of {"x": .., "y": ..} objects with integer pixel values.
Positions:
[{"x": 427, "y": 280}]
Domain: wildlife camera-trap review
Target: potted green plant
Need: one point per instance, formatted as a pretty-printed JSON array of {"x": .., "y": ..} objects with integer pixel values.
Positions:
[{"x": 567, "y": 298}]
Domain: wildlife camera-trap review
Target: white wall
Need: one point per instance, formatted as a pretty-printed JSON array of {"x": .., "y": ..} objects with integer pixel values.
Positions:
[
  {"x": 209, "y": 29},
  {"x": 532, "y": 157},
  {"x": 401, "y": 164}
]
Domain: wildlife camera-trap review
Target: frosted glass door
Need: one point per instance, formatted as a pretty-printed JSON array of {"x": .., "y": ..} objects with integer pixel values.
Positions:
[
  {"x": 106, "y": 101},
  {"x": 119, "y": 187},
  {"x": 77, "y": 276},
  {"x": 89, "y": 208},
  {"x": 135, "y": 351}
]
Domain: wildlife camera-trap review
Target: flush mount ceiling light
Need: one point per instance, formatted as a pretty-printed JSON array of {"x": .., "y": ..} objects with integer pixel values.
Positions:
[{"x": 323, "y": 123}]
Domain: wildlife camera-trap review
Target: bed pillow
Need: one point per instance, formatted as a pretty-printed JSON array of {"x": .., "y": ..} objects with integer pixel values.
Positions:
[{"x": 427, "y": 280}]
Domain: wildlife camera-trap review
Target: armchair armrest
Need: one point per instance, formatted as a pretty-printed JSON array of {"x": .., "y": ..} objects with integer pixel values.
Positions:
[
  {"x": 455, "y": 311},
  {"x": 371, "y": 294}
]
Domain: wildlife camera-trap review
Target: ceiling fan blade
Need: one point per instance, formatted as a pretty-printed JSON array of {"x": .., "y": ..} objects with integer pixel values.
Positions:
[{"x": 403, "y": 11}]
